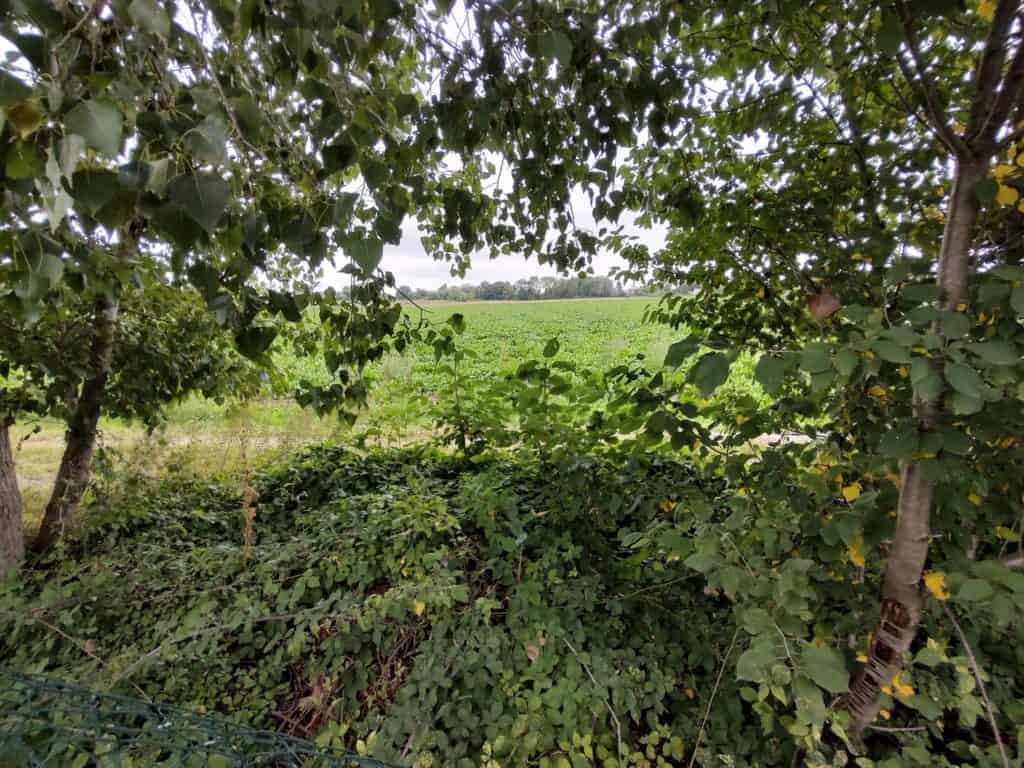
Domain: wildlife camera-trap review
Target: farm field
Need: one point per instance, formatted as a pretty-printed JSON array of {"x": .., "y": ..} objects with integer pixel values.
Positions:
[{"x": 220, "y": 439}]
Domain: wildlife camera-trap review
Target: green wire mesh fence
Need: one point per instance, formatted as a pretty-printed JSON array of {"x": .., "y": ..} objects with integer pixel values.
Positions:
[{"x": 46, "y": 722}]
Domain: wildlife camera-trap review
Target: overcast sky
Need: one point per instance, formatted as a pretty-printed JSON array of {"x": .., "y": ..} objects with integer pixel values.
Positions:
[{"x": 412, "y": 265}]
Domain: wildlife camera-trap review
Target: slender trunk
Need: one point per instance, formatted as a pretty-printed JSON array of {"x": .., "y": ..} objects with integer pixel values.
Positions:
[
  {"x": 80, "y": 438},
  {"x": 901, "y": 596},
  {"x": 12, "y": 543}
]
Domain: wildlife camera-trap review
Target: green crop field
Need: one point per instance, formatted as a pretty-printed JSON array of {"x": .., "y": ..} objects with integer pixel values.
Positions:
[{"x": 217, "y": 439}]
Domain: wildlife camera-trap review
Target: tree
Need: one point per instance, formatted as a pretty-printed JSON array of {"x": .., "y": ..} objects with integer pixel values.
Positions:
[
  {"x": 825, "y": 172},
  {"x": 150, "y": 146}
]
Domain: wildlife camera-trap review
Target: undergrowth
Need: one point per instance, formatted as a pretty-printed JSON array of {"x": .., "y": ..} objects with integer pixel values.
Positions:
[{"x": 428, "y": 610}]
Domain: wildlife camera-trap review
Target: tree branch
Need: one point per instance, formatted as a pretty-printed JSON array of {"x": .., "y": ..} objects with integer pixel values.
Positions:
[
  {"x": 922, "y": 85},
  {"x": 988, "y": 73},
  {"x": 1006, "y": 99}
]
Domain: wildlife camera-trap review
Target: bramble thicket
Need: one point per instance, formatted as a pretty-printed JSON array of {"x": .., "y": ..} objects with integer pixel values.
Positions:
[{"x": 794, "y": 539}]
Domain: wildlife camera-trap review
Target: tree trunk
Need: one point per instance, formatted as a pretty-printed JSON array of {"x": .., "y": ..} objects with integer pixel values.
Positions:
[
  {"x": 901, "y": 596},
  {"x": 12, "y": 542},
  {"x": 80, "y": 438}
]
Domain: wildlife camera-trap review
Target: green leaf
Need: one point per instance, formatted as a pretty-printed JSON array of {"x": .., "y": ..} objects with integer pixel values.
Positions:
[
  {"x": 202, "y": 196},
  {"x": 826, "y": 667},
  {"x": 846, "y": 361},
  {"x": 681, "y": 350},
  {"x": 964, "y": 380},
  {"x": 890, "y": 34},
  {"x": 1017, "y": 299},
  {"x": 13, "y": 90},
  {"x": 974, "y": 590},
  {"x": 986, "y": 190},
  {"x": 339, "y": 156},
  {"x": 555, "y": 44},
  {"x": 457, "y": 321},
  {"x": 816, "y": 358},
  {"x": 25, "y": 119},
  {"x": 208, "y": 140},
  {"x": 926, "y": 381},
  {"x": 955, "y": 324},
  {"x": 754, "y": 663},
  {"x": 93, "y": 189},
  {"x": 150, "y": 17},
  {"x": 156, "y": 181},
  {"x": 99, "y": 123},
  {"x": 770, "y": 373},
  {"x": 551, "y": 348},
  {"x": 51, "y": 267},
  {"x": 899, "y": 443},
  {"x": 965, "y": 405},
  {"x": 69, "y": 152},
  {"x": 23, "y": 161},
  {"x": 996, "y": 352},
  {"x": 255, "y": 340},
  {"x": 709, "y": 373},
  {"x": 367, "y": 252},
  {"x": 890, "y": 351}
]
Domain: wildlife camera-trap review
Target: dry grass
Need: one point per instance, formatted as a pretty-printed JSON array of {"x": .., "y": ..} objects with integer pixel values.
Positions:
[{"x": 210, "y": 440}]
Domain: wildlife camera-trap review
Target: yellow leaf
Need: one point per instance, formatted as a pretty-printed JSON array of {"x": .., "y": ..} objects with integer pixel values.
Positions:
[
  {"x": 901, "y": 688},
  {"x": 690, "y": 693},
  {"x": 1000, "y": 172},
  {"x": 935, "y": 582},
  {"x": 1007, "y": 195},
  {"x": 852, "y": 492},
  {"x": 885, "y": 714},
  {"x": 419, "y": 607},
  {"x": 961, "y": 307},
  {"x": 862, "y": 658},
  {"x": 856, "y": 552},
  {"x": 1006, "y": 534},
  {"x": 877, "y": 391},
  {"x": 975, "y": 499},
  {"x": 740, "y": 419},
  {"x": 903, "y": 371},
  {"x": 760, "y": 292},
  {"x": 1020, "y": 205},
  {"x": 987, "y": 9}
]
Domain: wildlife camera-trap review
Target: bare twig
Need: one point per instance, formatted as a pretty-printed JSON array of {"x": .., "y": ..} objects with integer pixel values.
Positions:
[
  {"x": 909, "y": 729},
  {"x": 989, "y": 709},
  {"x": 707, "y": 711},
  {"x": 83, "y": 647}
]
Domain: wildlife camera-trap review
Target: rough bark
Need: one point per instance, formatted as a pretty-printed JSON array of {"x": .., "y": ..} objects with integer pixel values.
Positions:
[
  {"x": 12, "y": 543},
  {"x": 80, "y": 438},
  {"x": 901, "y": 596}
]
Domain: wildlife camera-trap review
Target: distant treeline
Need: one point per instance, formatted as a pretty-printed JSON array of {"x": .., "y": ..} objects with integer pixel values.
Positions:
[{"x": 528, "y": 289}]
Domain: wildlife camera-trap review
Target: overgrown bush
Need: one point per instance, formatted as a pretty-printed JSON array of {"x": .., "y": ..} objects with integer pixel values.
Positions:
[{"x": 608, "y": 607}]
